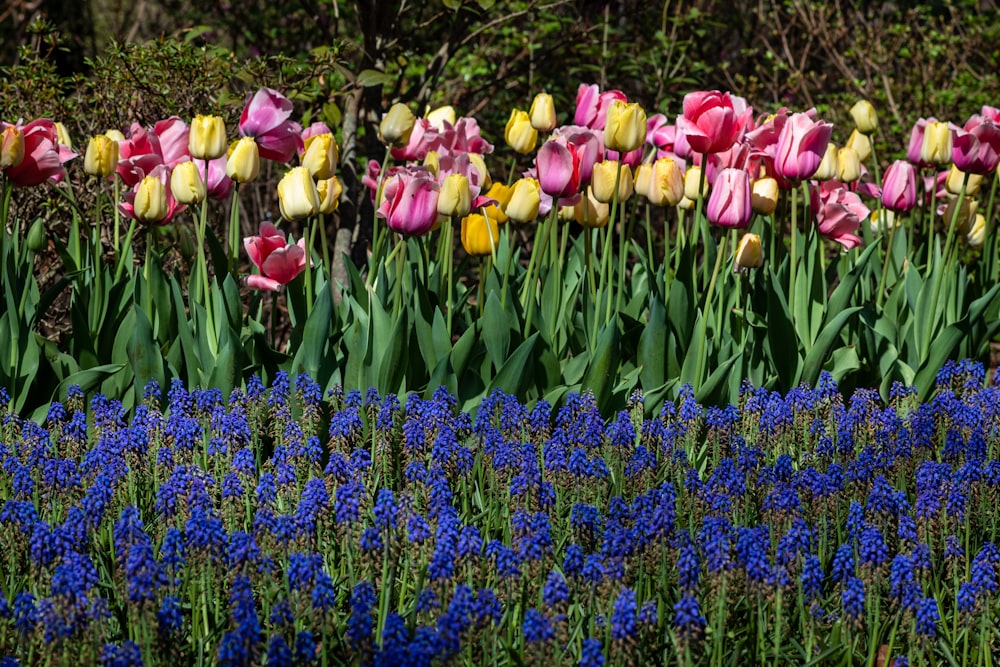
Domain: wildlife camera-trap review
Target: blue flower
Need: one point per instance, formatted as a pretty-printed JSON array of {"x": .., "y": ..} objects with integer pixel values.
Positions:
[
  {"x": 555, "y": 591},
  {"x": 536, "y": 627},
  {"x": 688, "y": 618},
  {"x": 812, "y": 577},
  {"x": 278, "y": 652},
  {"x": 624, "y": 615},
  {"x": 853, "y": 597},
  {"x": 927, "y": 618},
  {"x": 591, "y": 653},
  {"x": 359, "y": 625}
]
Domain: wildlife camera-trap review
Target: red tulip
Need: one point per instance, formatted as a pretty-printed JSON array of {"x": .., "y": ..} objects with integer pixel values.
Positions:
[
  {"x": 43, "y": 156},
  {"x": 729, "y": 204},
  {"x": 278, "y": 261},
  {"x": 265, "y": 118},
  {"x": 173, "y": 134},
  {"x": 711, "y": 121}
]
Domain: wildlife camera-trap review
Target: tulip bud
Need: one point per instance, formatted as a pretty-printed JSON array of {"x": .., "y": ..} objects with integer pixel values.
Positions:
[
  {"x": 566, "y": 213},
  {"x": 101, "y": 156},
  {"x": 764, "y": 196},
  {"x": 455, "y": 198},
  {"x": 297, "y": 194},
  {"x": 243, "y": 163},
  {"x": 438, "y": 117},
  {"x": 828, "y": 167},
  {"x": 848, "y": 165},
  {"x": 115, "y": 135},
  {"x": 519, "y": 134},
  {"x": 207, "y": 138},
  {"x": 590, "y": 212},
  {"x": 150, "y": 204},
  {"x": 543, "y": 113},
  {"x": 480, "y": 234},
  {"x": 485, "y": 182},
  {"x": 953, "y": 184},
  {"x": 36, "y": 239},
  {"x": 186, "y": 183},
  {"x": 501, "y": 193},
  {"x": 692, "y": 177},
  {"x": 432, "y": 161},
  {"x": 603, "y": 181},
  {"x": 749, "y": 254},
  {"x": 329, "y": 190},
  {"x": 11, "y": 147},
  {"x": 625, "y": 127},
  {"x": 666, "y": 183},
  {"x": 643, "y": 175},
  {"x": 397, "y": 125},
  {"x": 525, "y": 198},
  {"x": 966, "y": 215},
  {"x": 861, "y": 144},
  {"x": 977, "y": 235},
  {"x": 321, "y": 155},
  {"x": 864, "y": 117},
  {"x": 63, "y": 135},
  {"x": 936, "y": 146},
  {"x": 882, "y": 220}
]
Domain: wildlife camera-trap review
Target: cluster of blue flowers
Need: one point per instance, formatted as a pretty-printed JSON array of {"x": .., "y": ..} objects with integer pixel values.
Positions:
[{"x": 282, "y": 527}]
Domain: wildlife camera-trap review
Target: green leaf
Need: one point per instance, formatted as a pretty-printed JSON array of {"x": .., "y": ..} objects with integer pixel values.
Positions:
[
  {"x": 602, "y": 373},
  {"x": 496, "y": 330},
  {"x": 716, "y": 381},
  {"x": 144, "y": 355},
  {"x": 816, "y": 357},
  {"x": 782, "y": 342},
  {"x": 369, "y": 78},
  {"x": 315, "y": 337},
  {"x": 514, "y": 376},
  {"x": 653, "y": 346},
  {"x": 392, "y": 365}
]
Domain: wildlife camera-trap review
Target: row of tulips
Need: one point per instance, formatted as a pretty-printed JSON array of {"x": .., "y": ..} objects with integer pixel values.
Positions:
[{"x": 822, "y": 279}]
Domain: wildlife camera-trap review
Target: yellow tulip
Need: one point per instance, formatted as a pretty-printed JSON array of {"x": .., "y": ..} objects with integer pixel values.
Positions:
[
  {"x": 977, "y": 235},
  {"x": 321, "y": 155},
  {"x": 953, "y": 184},
  {"x": 603, "y": 181},
  {"x": 692, "y": 177},
  {"x": 329, "y": 190},
  {"x": 397, "y": 125},
  {"x": 865, "y": 118},
  {"x": 243, "y": 164},
  {"x": 11, "y": 147},
  {"x": 101, "y": 157},
  {"x": 207, "y": 138},
  {"x": 666, "y": 183},
  {"x": 480, "y": 234},
  {"x": 625, "y": 127},
  {"x": 297, "y": 194},
  {"x": 186, "y": 183},
  {"x": 525, "y": 198},
  {"x": 764, "y": 196},
  {"x": 591, "y": 213},
  {"x": 543, "y": 112},
  {"x": 519, "y": 134},
  {"x": 749, "y": 254},
  {"x": 150, "y": 203},
  {"x": 936, "y": 146},
  {"x": 455, "y": 198},
  {"x": 828, "y": 166},
  {"x": 848, "y": 165},
  {"x": 438, "y": 117},
  {"x": 861, "y": 144}
]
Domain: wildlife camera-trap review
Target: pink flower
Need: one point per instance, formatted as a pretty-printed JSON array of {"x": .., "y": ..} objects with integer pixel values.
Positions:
[
  {"x": 218, "y": 184},
  {"x": 917, "y": 141},
  {"x": 899, "y": 187},
  {"x": 265, "y": 118},
  {"x": 976, "y": 147},
  {"x": 317, "y": 128},
  {"x": 592, "y": 105},
  {"x": 172, "y": 134},
  {"x": 589, "y": 147},
  {"x": 279, "y": 262},
  {"x": 421, "y": 138},
  {"x": 711, "y": 121},
  {"x": 839, "y": 213},
  {"x": 168, "y": 206},
  {"x": 462, "y": 137},
  {"x": 801, "y": 145},
  {"x": 558, "y": 168},
  {"x": 410, "y": 201},
  {"x": 729, "y": 203},
  {"x": 43, "y": 156}
]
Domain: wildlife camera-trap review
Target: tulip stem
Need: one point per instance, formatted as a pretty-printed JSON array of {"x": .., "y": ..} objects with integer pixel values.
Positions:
[
  {"x": 885, "y": 263},
  {"x": 308, "y": 234},
  {"x": 666, "y": 253},
  {"x": 794, "y": 256},
  {"x": 930, "y": 229},
  {"x": 121, "y": 257},
  {"x": 400, "y": 251},
  {"x": 947, "y": 259},
  {"x": 200, "y": 228},
  {"x": 376, "y": 237},
  {"x": 449, "y": 249},
  {"x": 706, "y": 311},
  {"x": 234, "y": 226},
  {"x": 530, "y": 287}
]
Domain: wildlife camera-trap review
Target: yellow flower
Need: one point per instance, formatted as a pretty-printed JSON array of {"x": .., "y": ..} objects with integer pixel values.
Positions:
[
  {"x": 977, "y": 235},
  {"x": 11, "y": 147},
  {"x": 115, "y": 135},
  {"x": 186, "y": 183},
  {"x": 591, "y": 213},
  {"x": 207, "y": 138},
  {"x": 953, "y": 184},
  {"x": 625, "y": 127},
  {"x": 321, "y": 155},
  {"x": 455, "y": 198},
  {"x": 63, "y": 134},
  {"x": 603, "y": 181},
  {"x": 438, "y": 117},
  {"x": 865, "y": 119},
  {"x": 501, "y": 193},
  {"x": 543, "y": 112},
  {"x": 477, "y": 232},
  {"x": 764, "y": 196},
  {"x": 749, "y": 254},
  {"x": 519, "y": 134},
  {"x": 150, "y": 203},
  {"x": 666, "y": 183},
  {"x": 691, "y": 179},
  {"x": 397, "y": 125},
  {"x": 936, "y": 146},
  {"x": 243, "y": 164},
  {"x": 525, "y": 198},
  {"x": 828, "y": 166},
  {"x": 101, "y": 157},
  {"x": 861, "y": 144},
  {"x": 329, "y": 190},
  {"x": 848, "y": 165},
  {"x": 297, "y": 194},
  {"x": 485, "y": 182}
]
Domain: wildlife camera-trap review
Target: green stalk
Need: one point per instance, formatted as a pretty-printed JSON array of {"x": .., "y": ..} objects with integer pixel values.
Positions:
[
  {"x": 234, "y": 227},
  {"x": 200, "y": 228},
  {"x": 885, "y": 263},
  {"x": 707, "y": 309},
  {"x": 947, "y": 258},
  {"x": 795, "y": 257},
  {"x": 449, "y": 249},
  {"x": 309, "y": 264},
  {"x": 376, "y": 236}
]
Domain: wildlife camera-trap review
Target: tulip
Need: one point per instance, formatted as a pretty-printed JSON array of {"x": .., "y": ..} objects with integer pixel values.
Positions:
[
  {"x": 243, "y": 162},
  {"x": 591, "y": 213},
  {"x": 441, "y": 117},
  {"x": 115, "y": 135},
  {"x": 749, "y": 254},
  {"x": 589, "y": 147},
  {"x": 480, "y": 234},
  {"x": 269, "y": 239},
  {"x": 935, "y": 143},
  {"x": 977, "y": 234},
  {"x": 899, "y": 187},
  {"x": 729, "y": 205},
  {"x": 641, "y": 181},
  {"x": 525, "y": 198},
  {"x": 186, "y": 183},
  {"x": 828, "y": 166},
  {"x": 172, "y": 138},
  {"x": 692, "y": 179},
  {"x": 101, "y": 157},
  {"x": 11, "y": 147},
  {"x": 711, "y": 122},
  {"x": 297, "y": 194},
  {"x": 625, "y": 127},
  {"x": 802, "y": 144},
  {"x": 976, "y": 147},
  {"x": 501, "y": 194},
  {"x": 604, "y": 176},
  {"x": 955, "y": 178},
  {"x": 557, "y": 166},
  {"x": 150, "y": 204},
  {"x": 666, "y": 183},
  {"x": 966, "y": 215},
  {"x": 485, "y": 181},
  {"x": 207, "y": 137},
  {"x": 42, "y": 158},
  {"x": 320, "y": 155},
  {"x": 455, "y": 197},
  {"x": 864, "y": 117},
  {"x": 838, "y": 213},
  {"x": 861, "y": 144},
  {"x": 519, "y": 133},
  {"x": 218, "y": 184},
  {"x": 883, "y": 219},
  {"x": 329, "y": 191},
  {"x": 265, "y": 119},
  {"x": 62, "y": 134},
  {"x": 848, "y": 165},
  {"x": 278, "y": 262},
  {"x": 543, "y": 112},
  {"x": 410, "y": 202},
  {"x": 397, "y": 125},
  {"x": 764, "y": 196},
  {"x": 592, "y": 106}
]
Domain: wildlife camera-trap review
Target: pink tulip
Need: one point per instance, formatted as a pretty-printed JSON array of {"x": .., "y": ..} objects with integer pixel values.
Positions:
[
  {"x": 421, "y": 137},
  {"x": 589, "y": 147},
  {"x": 801, "y": 145},
  {"x": 558, "y": 168},
  {"x": 839, "y": 213},
  {"x": 218, "y": 185},
  {"x": 43, "y": 156},
  {"x": 711, "y": 122},
  {"x": 410, "y": 204},
  {"x": 279, "y": 262},
  {"x": 172, "y": 134},
  {"x": 729, "y": 204},
  {"x": 265, "y": 118},
  {"x": 592, "y": 105},
  {"x": 462, "y": 137},
  {"x": 976, "y": 147},
  {"x": 899, "y": 187},
  {"x": 161, "y": 172},
  {"x": 317, "y": 128},
  {"x": 917, "y": 141}
]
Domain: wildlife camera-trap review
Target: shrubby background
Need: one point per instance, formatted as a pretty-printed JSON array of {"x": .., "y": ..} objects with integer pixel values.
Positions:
[{"x": 97, "y": 64}]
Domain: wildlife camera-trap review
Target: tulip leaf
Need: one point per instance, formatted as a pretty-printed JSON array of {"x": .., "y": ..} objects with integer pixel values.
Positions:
[
  {"x": 845, "y": 288},
  {"x": 315, "y": 335},
  {"x": 461, "y": 353},
  {"x": 716, "y": 381},
  {"x": 816, "y": 357},
  {"x": 515, "y": 374},
  {"x": 652, "y": 346},
  {"x": 604, "y": 364},
  {"x": 496, "y": 330},
  {"x": 781, "y": 339},
  {"x": 392, "y": 364},
  {"x": 144, "y": 355}
]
